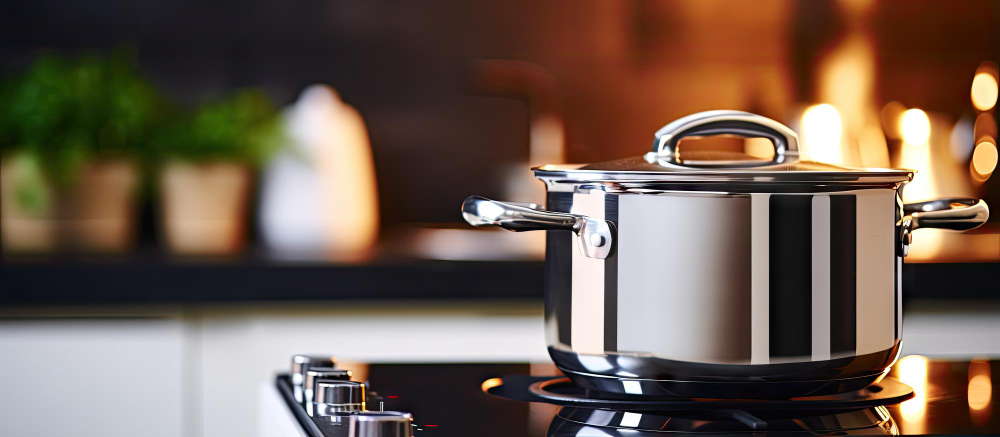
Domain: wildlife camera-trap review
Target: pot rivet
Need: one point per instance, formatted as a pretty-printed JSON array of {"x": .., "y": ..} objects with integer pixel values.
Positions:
[{"x": 596, "y": 240}]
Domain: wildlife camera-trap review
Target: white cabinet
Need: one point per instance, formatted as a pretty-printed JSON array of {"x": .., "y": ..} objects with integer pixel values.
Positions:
[
  {"x": 86, "y": 376},
  {"x": 197, "y": 372}
]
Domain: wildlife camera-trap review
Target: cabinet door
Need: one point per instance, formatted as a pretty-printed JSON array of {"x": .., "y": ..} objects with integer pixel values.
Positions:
[{"x": 92, "y": 377}]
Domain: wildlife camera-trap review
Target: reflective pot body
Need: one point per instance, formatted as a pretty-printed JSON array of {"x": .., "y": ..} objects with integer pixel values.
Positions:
[
  {"x": 724, "y": 278},
  {"x": 728, "y": 286}
]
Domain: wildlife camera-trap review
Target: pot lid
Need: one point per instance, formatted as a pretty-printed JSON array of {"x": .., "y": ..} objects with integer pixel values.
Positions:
[{"x": 666, "y": 163}]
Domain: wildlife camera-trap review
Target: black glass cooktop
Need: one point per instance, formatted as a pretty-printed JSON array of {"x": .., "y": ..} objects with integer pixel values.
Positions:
[{"x": 950, "y": 397}]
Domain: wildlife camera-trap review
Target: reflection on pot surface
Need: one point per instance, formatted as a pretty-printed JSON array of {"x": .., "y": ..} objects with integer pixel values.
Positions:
[
  {"x": 577, "y": 422},
  {"x": 781, "y": 271}
]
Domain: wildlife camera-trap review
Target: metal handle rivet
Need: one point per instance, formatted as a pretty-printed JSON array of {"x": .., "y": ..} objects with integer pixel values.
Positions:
[{"x": 597, "y": 240}]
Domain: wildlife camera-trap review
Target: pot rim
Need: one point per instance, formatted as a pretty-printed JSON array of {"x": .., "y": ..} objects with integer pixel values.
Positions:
[{"x": 575, "y": 173}]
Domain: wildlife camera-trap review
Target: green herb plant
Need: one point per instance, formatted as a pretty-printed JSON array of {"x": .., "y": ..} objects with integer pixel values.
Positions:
[
  {"x": 245, "y": 128},
  {"x": 62, "y": 112}
]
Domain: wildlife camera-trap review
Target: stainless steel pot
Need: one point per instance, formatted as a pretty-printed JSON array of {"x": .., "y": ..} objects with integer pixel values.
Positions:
[{"x": 707, "y": 275}]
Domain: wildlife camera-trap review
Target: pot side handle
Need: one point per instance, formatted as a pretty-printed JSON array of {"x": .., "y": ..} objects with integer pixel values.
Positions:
[
  {"x": 956, "y": 214},
  {"x": 595, "y": 237}
]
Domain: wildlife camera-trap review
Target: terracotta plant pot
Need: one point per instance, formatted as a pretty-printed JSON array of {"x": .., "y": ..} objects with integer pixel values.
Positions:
[
  {"x": 26, "y": 227},
  {"x": 204, "y": 207},
  {"x": 100, "y": 207}
]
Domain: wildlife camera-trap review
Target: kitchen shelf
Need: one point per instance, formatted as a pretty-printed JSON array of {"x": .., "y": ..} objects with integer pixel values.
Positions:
[{"x": 157, "y": 280}]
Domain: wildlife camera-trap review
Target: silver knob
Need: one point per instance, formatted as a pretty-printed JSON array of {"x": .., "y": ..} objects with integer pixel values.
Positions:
[
  {"x": 301, "y": 364},
  {"x": 317, "y": 375},
  {"x": 380, "y": 424},
  {"x": 333, "y": 397}
]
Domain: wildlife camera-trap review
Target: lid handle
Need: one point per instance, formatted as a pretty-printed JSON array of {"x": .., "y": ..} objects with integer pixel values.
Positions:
[{"x": 725, "y": 122}]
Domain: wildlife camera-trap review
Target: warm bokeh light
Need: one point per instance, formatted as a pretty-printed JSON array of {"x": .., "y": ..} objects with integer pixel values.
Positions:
[
  {"x": 984, "y": 158},
  {"x": 980, "y": 392},
  {"x": 924, "y": 185},
  {"x": 984, "y": 91},
  {"x": 913, "y": 369},
  {"x": 846, "y": 80},
  {"x": 913, "y": 372},
  {"x": 984, "y": 155},
  {"x": 821, "y": 133},
  {"x": 891, "y": 114},
  {"x": 915, "y": 127},
  {"x": 490, "y": 383}
]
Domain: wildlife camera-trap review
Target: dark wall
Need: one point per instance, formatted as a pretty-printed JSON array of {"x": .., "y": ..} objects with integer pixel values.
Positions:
[
  {"x": 391, "y": 60},
  {"x": 614, "y": 71}
]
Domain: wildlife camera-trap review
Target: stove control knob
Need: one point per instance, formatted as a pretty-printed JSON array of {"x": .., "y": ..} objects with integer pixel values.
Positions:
[
  {"x": 301, "y": 364},
  {"x": 335, "y": 397},
  {"x": 315, "y": 374},
  {"x": 380, "y": 424}
]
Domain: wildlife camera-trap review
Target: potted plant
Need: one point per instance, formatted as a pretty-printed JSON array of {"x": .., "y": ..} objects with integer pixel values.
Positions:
[
  {"x": 31, "y": 110},
  {"x": 112, "y": 115},
  {"x": 207, "y": 172},
  {"x": 71, "y": 132}
]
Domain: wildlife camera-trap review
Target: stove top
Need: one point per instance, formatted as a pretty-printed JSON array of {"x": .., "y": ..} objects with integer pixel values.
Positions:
[{"x": 491, "y": 399}]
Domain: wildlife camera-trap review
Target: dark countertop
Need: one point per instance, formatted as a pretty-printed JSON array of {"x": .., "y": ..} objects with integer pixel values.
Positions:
[
  {"x": 158, "y": 280},
  {"x": 162, "y": 281}
]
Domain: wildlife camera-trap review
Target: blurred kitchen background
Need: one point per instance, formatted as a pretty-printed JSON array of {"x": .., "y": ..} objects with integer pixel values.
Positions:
[{"x": 194, "y": 191}]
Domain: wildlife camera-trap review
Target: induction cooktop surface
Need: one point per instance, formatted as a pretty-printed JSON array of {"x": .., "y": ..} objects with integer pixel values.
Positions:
[{"x": 919, "y": 396}]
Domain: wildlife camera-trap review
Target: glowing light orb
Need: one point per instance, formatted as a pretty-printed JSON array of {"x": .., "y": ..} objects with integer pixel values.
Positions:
[{"x": 916, "y": 127}]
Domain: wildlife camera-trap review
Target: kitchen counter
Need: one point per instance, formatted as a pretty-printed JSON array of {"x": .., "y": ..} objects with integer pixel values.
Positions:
[{"x": 155, "y": 279}]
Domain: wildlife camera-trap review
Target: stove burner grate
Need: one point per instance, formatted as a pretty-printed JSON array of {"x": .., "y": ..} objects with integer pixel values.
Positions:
[{"x": 561, "y": 391}]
